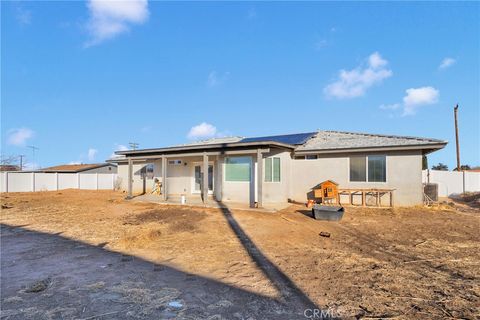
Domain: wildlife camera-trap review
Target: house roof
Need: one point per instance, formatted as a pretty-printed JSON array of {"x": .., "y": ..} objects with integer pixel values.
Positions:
[
  {"x": 304, "y": 143},
  {"x": 293, "y": 139},
  {"x": 74, "y": 167},
  {"x": 9, "y": 167},
  {"x": 213, "y": 144},
  {"x": 212, "y": 141},
  {"x": 337, "y": 141}
]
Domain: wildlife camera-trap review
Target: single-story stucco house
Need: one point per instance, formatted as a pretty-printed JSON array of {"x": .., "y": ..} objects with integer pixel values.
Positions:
[{"x": 276, "y": 169}]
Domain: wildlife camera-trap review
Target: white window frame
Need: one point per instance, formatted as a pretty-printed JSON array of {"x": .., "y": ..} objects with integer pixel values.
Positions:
[
  {"x": 366, "y": 169},
  {"x": 264, "y": 171}
]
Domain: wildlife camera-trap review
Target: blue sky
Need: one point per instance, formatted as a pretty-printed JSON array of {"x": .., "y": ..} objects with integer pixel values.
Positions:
[{"x": 82, "y": 79}]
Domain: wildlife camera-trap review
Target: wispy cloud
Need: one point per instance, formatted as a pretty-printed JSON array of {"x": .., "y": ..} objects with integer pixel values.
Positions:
[
  {"x": 414, "y": 98},
  {"x": 354, "y": 83},
  {"x": 417, "y": 97},
  {"x": 109, "y": 19},
  {"x": 447, "y": 62},
  {"x": 202, "y": 131},
  {"x": 214, "y": 79},
  {"x": 118, "y": 147},
  {"x": 19, "y": 136},
  {"x": 91, "y": 154},
  {"x": 23, "y": 16}
]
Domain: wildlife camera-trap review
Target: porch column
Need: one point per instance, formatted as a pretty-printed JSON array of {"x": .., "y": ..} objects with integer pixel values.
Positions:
[
  {"x": 219, "y": 182},
  {"x": 130, "y": 178},
  {"x": 252, "y": 183},
  {"x": 205, "y": 178},
  {"x": 164, "y": 178},
  {"x": 259, "y": 178}
]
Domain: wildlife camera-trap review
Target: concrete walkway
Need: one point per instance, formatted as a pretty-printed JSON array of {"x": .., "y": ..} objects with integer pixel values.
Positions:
[{"x": 196, "y": 201}]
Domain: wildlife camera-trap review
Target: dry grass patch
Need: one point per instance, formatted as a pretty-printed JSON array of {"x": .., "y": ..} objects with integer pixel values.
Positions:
[
  {"x": 166, "y": 215},
  {"x": 141, "y": 239}
]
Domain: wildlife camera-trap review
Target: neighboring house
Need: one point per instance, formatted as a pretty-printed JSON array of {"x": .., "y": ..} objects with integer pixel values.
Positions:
[
  {"x": 275, "y": 169},
  {"x": 9, "y": 167},
  {"x": 83, "y": 168}
]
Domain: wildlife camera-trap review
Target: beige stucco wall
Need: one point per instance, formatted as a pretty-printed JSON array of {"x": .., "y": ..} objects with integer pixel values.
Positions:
[
  {"x": 179, "y": 177},
  {"x": 138, "y": 182},
  {"x": 404, "y": 173},
  {"x": 274, "y": 192},
  {"x": 297, "y": 177},
  {"x": 234, "y": 191}
]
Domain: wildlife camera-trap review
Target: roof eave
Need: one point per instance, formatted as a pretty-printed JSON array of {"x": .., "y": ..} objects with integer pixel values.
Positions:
[
  {"x": 207, "y": 147},
  {"x": 427, "y": 148}
]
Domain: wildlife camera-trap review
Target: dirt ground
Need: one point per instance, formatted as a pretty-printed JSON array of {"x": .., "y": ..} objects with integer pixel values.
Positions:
[{"x": 93, "y": 255}]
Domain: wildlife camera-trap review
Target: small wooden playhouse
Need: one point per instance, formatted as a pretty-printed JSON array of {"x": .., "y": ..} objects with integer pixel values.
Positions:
[{"x": 327, "y": 192}]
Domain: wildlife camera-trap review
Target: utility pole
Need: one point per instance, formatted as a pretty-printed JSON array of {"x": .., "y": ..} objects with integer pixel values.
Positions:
[
  {"x": 21, "y": 161},
  {"x": 133, "y": 145},
  {"x": 455, "y": 111},
  {"x": 33, "y": 153}
]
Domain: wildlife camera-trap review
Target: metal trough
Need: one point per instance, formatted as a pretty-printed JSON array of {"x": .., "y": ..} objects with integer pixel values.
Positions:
[{"x": 331, "y": 213}]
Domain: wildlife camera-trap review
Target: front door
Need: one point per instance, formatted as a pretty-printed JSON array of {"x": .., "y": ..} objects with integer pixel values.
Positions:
[{"x": 198, "y": 175}]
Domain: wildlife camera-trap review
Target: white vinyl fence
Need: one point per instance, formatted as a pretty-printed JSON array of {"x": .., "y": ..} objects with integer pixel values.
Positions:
[
  {"x": 39, "y": 181},
  {"x": 452, "y": 182}
]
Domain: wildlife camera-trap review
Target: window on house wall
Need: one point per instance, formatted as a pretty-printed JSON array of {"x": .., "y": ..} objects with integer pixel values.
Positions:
[
  {"x": 147, "y": 171},
  {"x": 311, "y": 157},
  {"x": 377, "y": 169},
  {"x": 272, "y": 169},
  {"x": 299, "y": 157},
  {"x": 237, "y": 169},
  {"x": 358, "y": 169},
  {"x": 371, "y": 168}
]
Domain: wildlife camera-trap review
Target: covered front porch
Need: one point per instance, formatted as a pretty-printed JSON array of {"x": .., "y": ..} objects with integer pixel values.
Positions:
[{"x": 199, "y": 177}]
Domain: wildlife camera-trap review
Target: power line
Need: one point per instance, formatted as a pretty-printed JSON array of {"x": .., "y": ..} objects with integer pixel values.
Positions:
[{"x": 33, "y": 153}]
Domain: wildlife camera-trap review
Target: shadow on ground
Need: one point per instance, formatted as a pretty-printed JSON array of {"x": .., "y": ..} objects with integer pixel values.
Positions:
[
  {"x": 89, "y": 282},
  {"x": 307, "y": 213}
]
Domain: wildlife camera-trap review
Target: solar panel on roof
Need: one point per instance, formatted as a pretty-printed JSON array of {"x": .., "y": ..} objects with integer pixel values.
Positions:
[{"x": 295, "y": 139}]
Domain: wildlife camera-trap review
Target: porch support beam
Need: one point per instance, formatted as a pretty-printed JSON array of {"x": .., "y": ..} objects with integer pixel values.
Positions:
[
  {"x": 259, "y": 178},
  {"x": 164, "y": 178},
  {"x": 252, "y": 183},
  {"x": 130, "y": 178},
  {"x": 218, "y": 184},
  {"x": 200, "y": 154},
  {"x": 205, "y": 178}
]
